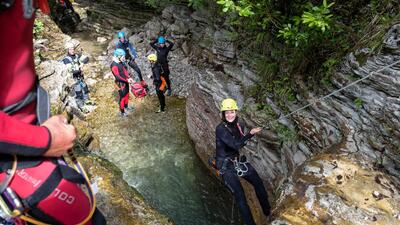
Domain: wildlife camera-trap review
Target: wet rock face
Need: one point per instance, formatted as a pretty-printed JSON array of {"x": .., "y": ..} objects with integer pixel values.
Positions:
[
  {"x": 371, "y": 128},
  {"x": 195, "y": 33},
  {"x": 223, "y": 44},
  {"x": 392, "y": 40},
  {"x": 362, "y": 121}
]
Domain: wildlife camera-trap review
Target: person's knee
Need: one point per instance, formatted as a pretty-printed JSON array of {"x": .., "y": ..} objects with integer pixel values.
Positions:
[{"x": 239, "y": 195}]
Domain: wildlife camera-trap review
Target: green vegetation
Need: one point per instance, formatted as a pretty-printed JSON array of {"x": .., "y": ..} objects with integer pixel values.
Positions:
[
  {"x": 38, "y": 28},
  {"x": 358, "y": 102},
  {"x": 285, "y": 134},
  {"x": 266, "y": 110},
  {"x": 327, "y": 69},
  {"x": 314, "y": 21}
]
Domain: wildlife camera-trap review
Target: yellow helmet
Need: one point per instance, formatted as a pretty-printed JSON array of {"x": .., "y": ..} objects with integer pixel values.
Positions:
[
  {"x": 228, "y": 104},
  {"x": 152, "y": 58}
]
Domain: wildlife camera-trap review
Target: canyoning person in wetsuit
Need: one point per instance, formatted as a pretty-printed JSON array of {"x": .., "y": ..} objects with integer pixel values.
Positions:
[
  {"x": 130, "y": 53},
  {"x": 122, "y": 80},
  {"x": 230, "y": 138},
  {"x": 74, "y": 62},
  {"x": 162, "y": 50},
  {"x": 158, "y": 81},
  {"x": 65, "y": 16},
  {"x": 29, "y": 138}
]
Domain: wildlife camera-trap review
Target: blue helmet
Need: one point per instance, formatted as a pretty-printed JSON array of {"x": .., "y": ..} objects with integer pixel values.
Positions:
[
  {"x": 119, "y": 52},
  {"x": 121, "y": 34},
  {"x": 161, "y": 40}
]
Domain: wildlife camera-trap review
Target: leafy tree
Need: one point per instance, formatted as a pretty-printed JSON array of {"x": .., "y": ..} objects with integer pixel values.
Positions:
[{"x": 314, "y": 21}]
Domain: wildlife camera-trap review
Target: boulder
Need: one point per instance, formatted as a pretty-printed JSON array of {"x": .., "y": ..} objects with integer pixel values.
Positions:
[
  {"x": 168, "y": 14},
  {"x": 54, "y": 77},
  {"x": 223, "y": 44},
  {"x": 202, "y": 16},
  {"x": 186, "y": 48},
  {"x": 154, "y": 28},
  {"x": 333, "y": 188},
  {"x": 179, "y": 28},
  {"x": 181, "y": 13},
  {"x": 101, "y": 39}
]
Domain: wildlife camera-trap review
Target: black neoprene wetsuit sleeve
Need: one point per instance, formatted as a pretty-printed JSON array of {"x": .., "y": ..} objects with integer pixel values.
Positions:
[
  {"x": 225, "y": 138},
  {"x": 171, "y": 45},
  {"x": 153, "y": 44}
]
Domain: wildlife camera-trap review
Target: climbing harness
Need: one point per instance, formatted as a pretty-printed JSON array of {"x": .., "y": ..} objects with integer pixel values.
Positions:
[
  {"x": 12, "y": 207},
  {"x": 240, "y": 167},
  {"x": 267, "y": 126}
]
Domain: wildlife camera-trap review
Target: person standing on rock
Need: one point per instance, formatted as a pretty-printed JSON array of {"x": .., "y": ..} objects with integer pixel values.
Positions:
[
  {"x": 158, "y": 81},
  {"x": 130, "y": 53},
  {"x": 32, "y": 142},
  {"x": 74, "y": 62},
  {"x": 230, "y": 138},
  {"x": 122, "y": 80},
  {"x": 162, "y": 56}
]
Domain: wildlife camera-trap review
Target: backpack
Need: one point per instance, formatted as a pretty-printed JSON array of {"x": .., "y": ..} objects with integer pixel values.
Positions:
[{"x": 139, "y": 89}]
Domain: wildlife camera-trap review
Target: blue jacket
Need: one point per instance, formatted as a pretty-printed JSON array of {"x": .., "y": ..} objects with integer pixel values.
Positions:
[{"x": 128, "y": 48}]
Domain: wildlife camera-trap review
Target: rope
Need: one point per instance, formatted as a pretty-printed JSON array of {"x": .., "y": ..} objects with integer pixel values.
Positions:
[
  {"x": 9, "y": 175},
  {"x": 333, "y": 93},
  {"x": 232, "y": 212}
]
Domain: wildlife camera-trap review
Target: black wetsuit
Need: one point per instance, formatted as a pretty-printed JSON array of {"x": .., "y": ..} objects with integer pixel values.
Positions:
[
  {"x": 162, "y": 58},
  {"x": 156, "y": 69},
  {"x": 229, "y": 139},
  {"x": 130, "y": 56}
]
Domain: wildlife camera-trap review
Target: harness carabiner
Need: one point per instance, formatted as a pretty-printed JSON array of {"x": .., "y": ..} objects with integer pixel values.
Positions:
[{"x": 238, "y": 167}]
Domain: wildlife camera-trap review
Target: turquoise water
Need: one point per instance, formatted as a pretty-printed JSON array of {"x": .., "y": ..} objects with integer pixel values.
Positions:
[{"x": 157, "y": 157}]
